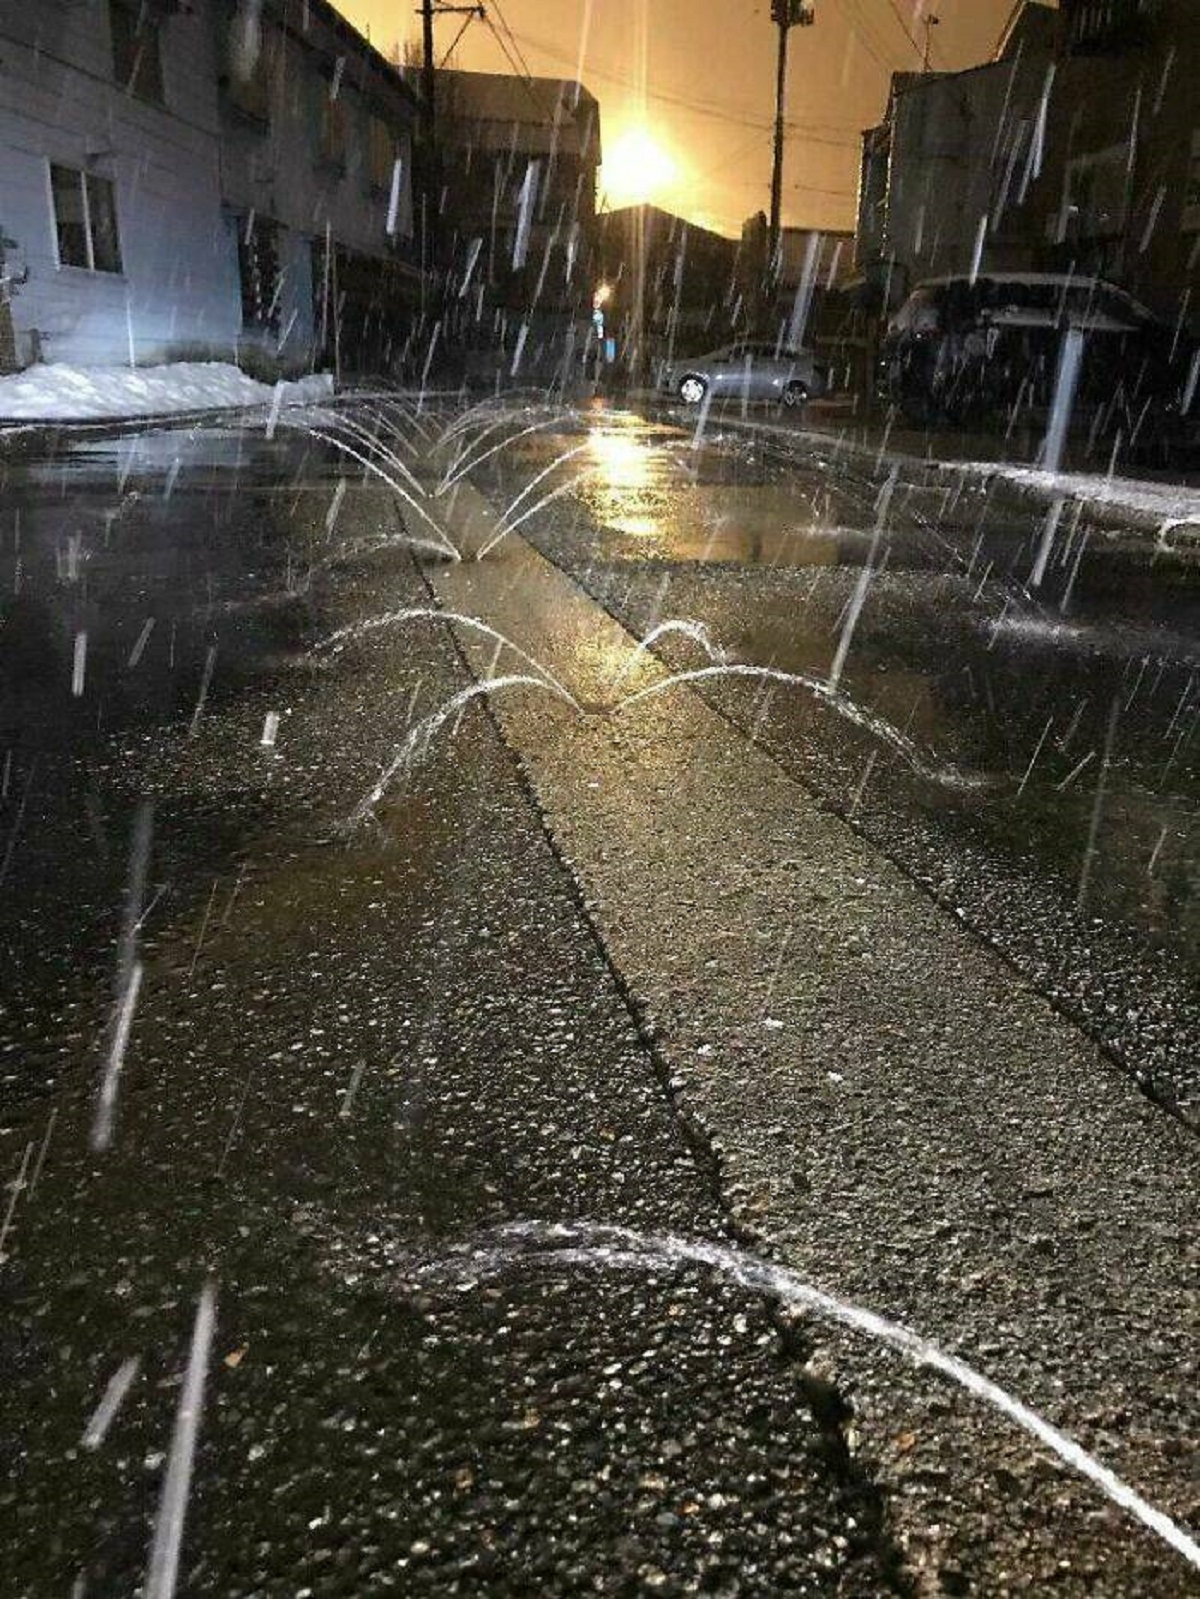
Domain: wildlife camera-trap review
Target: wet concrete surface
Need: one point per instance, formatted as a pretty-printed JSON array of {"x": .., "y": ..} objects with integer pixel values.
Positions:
[
  {"x": 342, "y": 1059},
  {"x": 954, "y": 646},
  {"x": 896, "y": 1114},
  {"x": 350, "y": 1060}
]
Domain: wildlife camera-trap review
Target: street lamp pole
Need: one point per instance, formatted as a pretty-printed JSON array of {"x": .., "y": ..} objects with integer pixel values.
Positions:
[{"x": 786, "y": 15}]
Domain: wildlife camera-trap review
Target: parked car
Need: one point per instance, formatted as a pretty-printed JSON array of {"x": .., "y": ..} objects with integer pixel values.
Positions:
[
  {"x": 749, "y": 371},
  {"x": 960, "y": 349}
]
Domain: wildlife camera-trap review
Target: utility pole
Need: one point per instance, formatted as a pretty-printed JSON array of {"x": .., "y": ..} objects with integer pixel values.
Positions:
[
  {"x": 428, "y": 11},
  {"x": 786, "y": 15},
  {"x": 428, "y": 75}
]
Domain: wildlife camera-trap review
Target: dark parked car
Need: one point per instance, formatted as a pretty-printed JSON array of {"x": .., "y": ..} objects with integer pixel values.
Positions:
[{"x": 960, "y": 350}]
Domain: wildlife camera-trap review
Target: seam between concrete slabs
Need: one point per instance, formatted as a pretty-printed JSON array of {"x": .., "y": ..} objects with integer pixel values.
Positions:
[{"x": 830, "y": 1409}]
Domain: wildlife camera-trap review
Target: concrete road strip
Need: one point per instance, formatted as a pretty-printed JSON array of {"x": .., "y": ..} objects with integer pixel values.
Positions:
[{"x": 899, "y": 1117}]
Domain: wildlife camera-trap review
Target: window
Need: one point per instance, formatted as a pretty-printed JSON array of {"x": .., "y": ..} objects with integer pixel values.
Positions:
[
  {"x": 137, "y": 60},
  {"x": 1098, "y": 25},
  {"x": 258, "y": 268},
  {"x": 1094, "y": 203},
  {"x": 332, "y": 148},
  {"x": 85, "y": 219},
  {"x": 250, "y": 55},
  {"x": 382, "y": 149}
]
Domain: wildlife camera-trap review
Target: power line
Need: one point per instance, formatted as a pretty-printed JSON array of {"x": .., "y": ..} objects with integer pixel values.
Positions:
[
  {"x": 702, "y": 108},
  {"x": 512, "y": 37},
  {"x": 520, "y": 72},
  {"x": 858, "y": 25},
  {"x": 896, "y": 12}
]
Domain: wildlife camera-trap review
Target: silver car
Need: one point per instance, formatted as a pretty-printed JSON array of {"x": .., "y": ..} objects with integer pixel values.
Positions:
[{"x": 749, "y": 371}]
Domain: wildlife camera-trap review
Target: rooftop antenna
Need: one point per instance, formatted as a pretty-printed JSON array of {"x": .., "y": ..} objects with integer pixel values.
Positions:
[{"x": 931, "y": 22}]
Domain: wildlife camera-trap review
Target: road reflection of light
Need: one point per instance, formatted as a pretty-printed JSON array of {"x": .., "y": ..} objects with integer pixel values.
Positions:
[
  {"x": 622, "y": 458},
  {"x": 629, "y": 474}
]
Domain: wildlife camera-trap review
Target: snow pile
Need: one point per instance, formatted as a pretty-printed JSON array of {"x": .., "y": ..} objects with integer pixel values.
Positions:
[
  {"x": 54, "y": 393},
  {"x": 1164, "y": 506}
]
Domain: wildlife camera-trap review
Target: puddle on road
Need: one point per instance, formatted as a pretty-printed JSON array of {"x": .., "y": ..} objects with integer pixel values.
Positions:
[
  {"x": 707, "y": 506},
  {"x": 951, "y": 647}
]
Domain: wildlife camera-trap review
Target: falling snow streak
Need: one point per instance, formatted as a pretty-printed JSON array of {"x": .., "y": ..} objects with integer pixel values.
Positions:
[
  {"x": 106, "y": 1104},
  {"x": 1046, "y": 547},
  {"x": 525, "y": 209},
  {"x": 857, "y": 600},
  {"x": 1089, "y": 857},
  {"x": 16, "y": 1188},
  {"x": 142, "y": 640},
  {"x": 105, "y": 1413},
  {"x": 79, "y": 664},
  {"x": 135, "y": 892},
  {"x": 393, "y": 213},
  {"x": 210, "y": 660},
  {"x": 15, "y": 831},
  {"x": 172, "y": 1508},
  {"x": 1066, "y": 385}
]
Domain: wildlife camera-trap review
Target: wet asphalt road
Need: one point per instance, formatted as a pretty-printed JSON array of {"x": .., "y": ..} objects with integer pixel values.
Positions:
[
  {"x": 344, "y": 1060},
  {"x": 763, "y": 541},
  {"x": 348, "y": 1061}
]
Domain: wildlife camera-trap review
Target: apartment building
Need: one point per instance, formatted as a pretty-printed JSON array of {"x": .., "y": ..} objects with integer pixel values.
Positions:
[
  {"x": 319, "y": 193},
  {"x": 1077, "y": 148},
  {"x": 519, "y": 159},
  {"x": 225, "y": 179},
  {"x": 109, "y": 182}
]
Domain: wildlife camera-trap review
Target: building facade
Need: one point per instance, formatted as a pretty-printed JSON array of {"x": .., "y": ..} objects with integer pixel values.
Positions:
[
  {"x": 320, "y": 197},
  {"x": 668, "y": 287},
  {"x": 519, "y": 158},
  {"x": 109, "y": 183},
  {"x": 201, "y": 179},
  {"x": 1077, "y": 149}
]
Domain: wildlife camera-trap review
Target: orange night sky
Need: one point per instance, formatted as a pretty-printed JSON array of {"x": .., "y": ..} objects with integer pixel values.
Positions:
[{"x": 697, "y": 78}]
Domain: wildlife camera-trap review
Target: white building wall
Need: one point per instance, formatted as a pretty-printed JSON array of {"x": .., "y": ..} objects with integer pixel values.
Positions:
[{"x": 177, "y": 294}]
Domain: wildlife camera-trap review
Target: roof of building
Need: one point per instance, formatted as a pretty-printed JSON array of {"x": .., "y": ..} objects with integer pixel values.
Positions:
[
  {"x": 536, "y": 115},
  {"x": 345, "y": 30},
  {"x": 1032, "y": 25},
  {"x": 656, "y": 217}
]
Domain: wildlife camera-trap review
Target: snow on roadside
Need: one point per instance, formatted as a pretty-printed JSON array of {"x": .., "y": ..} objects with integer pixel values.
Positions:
[
  {"x": 1164, "y": 507},
  {"x": 53, "y": 393}
]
